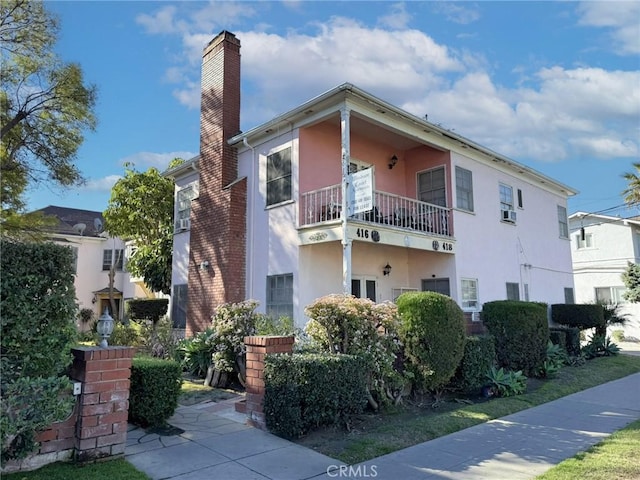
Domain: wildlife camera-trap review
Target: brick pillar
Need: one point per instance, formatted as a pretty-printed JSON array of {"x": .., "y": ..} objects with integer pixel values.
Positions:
[
  {"x": 103, "y": 406},
  {"x": 218, "y": 215},
  {"x": 257, "y": 348}
]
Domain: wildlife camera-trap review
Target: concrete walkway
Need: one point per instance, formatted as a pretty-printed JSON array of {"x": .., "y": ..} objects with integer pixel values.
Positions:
[{"x": 216, "y": 444}]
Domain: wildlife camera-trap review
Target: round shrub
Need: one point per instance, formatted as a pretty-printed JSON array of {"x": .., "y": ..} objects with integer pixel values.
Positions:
[
  {"x": 583, "y": 316},
  {"x": 478, "y": 358},
  {"x": 155, "y": 388},
  {"x": 357, "y": 326},
  {"x": 521, "y": 333},
  {"x": 433, "y": 334}
]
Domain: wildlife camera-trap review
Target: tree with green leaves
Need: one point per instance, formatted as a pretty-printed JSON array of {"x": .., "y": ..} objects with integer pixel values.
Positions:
[
  {"x": 141, "y": 210},
  {"x": 631, "y": 194},
  {"x": 631, "y": 279},
  {"x": 45, "y": 109}
]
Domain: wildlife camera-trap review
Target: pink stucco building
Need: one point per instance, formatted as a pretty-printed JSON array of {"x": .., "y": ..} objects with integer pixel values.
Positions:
[{"x": 347, "y": 192}]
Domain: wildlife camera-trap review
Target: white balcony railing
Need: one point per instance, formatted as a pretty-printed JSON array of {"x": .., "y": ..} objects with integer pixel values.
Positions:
[{"x": 325, "y": 205}]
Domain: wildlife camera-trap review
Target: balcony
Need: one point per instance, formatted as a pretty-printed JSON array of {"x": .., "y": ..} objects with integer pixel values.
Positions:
[{"x": 392, "y": 213}]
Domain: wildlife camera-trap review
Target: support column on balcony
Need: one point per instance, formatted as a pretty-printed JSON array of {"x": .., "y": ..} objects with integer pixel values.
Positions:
[{"x": 345, "y": 127}]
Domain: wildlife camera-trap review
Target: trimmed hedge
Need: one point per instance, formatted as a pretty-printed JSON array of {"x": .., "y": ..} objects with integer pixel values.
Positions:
[
  {"x": 432, "y": 331},
  {"x": 152, "y": 309},
  {"x": 304, "y": 391},
  {"x": 521, "y": 333},
  {"x": 582, "y": 316},
  {"x": 479, "y": 356},
  {"x": 155, "y": 388}
]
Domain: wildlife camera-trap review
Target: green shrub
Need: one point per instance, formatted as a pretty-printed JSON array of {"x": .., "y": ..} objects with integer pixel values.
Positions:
[
  {"x": 304, "y": 391},
  {"x": 196, "y": 352},
  {"x": 130, "y": 335},
  {"x": 433, "y": 333},
  {"x": 600, "y": 346},
  {"x": 555, "y": 359},
  {"x": 282, "y": 326},
  {"x": 478, "y": 357},
  {"x": 506, "y": 383},
  {"x": 582, "y": 316},
  {"x": 521, "y": 332},
  {"x": 151, "y": 309},
  {"x": 573, "y": 341},
  {"x": 37, "y": 301},
  {"x": 155, "y": 387},
  {"x": 558, "y": 336},
  {"x": 357, "y": 326}
]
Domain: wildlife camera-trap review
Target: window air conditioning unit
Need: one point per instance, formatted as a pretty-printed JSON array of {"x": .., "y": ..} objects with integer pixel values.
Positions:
[
  {"x": 509, "y": 216},
  {"x": 183, "y": 224}
]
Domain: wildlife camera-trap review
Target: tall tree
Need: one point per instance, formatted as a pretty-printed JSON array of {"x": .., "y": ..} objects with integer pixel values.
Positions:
[
  {"x": 45, "y": 108},
  {"x": 141, "y": 209},
  {"x": 631, "y": 279},
  {"x": 631, "y": 194}
]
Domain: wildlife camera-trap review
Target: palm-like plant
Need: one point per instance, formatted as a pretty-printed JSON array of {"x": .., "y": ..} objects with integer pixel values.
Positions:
[{"x": 631, "y": 194}]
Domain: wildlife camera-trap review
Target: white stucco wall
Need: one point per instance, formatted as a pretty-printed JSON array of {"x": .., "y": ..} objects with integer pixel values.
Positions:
[{"x": 180, "y": 262}]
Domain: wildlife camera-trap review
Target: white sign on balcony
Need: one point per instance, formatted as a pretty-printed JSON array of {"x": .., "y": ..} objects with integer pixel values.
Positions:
[{"x": 360, "y": 197}]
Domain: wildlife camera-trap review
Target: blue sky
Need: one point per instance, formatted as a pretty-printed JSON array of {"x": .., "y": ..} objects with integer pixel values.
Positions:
[{"x": 553, "y": 85}]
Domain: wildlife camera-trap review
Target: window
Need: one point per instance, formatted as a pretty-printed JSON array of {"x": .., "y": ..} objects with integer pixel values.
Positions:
[
  {"x": 112, "y": 257},
  {"x": 506, "y": 197},
  {"x": 469, "y": 293},
  {"x": 520, "y": 205},
  {"x": 357, "y": 165},
  {"x": 513, "y": 291},
  {"x": 568, "y": 296},
  {"x": 587, "y": 242},
  {"x": 438, "y": 285},
  {"x": 183, "y": 201},
  {"x": 610, "y": 295},
  {"x": 464, "y": 189},
  {"x": 563, "y": 223},
  {"x": 431, "y": 187},
  {"x": 396, "y": 292},
  {"x": 525, "y": 287},
  {"x": 280, "y": 295},
  {"x": 369, "y": 288},
  {"x": 179, "y": 306},
  {"x": 279, "y": 177}
]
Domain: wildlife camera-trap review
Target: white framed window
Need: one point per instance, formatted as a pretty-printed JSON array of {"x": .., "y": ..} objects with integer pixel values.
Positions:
[
  {"x": 112, "y": 257},
  {"x": 610, "y": 295},
  {"x": 280, "y": 295},
  {"x": 396, "y": 292},
  {"x": 563, "y": 222},
  {"x": 469, "y": 289},
  {"x": 74, "y": 252},
  {"x": 506, "y": 197},
  {"x": 587, "y": 242},
  {"x": 183, "y": 206},
  {"x": 513, "y": 291},
  {"x": 432, "y": 186},
  {"x": 357, "y": 165},
  {"x": 279, "y": 177},
  {"x": 464, "y": 189},
  {"x": 364, "y": 287},
  {"x": 569, "y": 297}
]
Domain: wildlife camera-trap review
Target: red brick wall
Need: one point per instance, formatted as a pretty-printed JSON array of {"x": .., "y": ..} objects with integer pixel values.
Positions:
[
  {"x": 97, "y": 427},
  {"x": 257, "y": 348},
  {"x": 218, "y": 216}
]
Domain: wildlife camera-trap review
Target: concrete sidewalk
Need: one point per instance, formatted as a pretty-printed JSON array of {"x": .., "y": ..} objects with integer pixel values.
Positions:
[{"x": 216, "y": 444}]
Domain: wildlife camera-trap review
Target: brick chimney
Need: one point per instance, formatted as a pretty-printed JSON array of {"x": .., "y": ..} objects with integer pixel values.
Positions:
[{"x": 218, "y": 217}]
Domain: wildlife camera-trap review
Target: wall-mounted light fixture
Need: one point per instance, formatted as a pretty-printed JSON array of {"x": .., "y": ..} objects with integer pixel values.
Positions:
[
  {"x": 393, "y": 161},
  {"x": 386, "y": 270},
  {"x": 204, "y": 265}
]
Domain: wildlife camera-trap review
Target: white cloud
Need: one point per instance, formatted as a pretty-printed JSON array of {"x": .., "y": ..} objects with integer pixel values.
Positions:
[
  {"x": 397, "y": 19},
  {"x": 457, "y": 13},
  {"x": 163, "y": 21},
  {"x": 144, "y": 160},
  {"x": 104, "y": 184},
  {"x": 621, "y": 17}
]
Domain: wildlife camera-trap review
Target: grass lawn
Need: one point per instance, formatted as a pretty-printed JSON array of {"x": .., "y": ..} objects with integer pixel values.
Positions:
[
  {"x": 372, "y": 435},
  {"x": 614, "y": 458},
  {"x": 109, "y": 470}
]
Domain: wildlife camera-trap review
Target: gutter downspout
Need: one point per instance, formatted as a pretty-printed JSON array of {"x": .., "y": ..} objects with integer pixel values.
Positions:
[{"x": 251, "y": 218}]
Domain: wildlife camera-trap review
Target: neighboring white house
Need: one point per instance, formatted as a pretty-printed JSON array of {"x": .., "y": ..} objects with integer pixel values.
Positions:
[
  {"x": 601, "y": 248},
  {"x": 276, "y": 216},
  {"x": 95, "y": 252}
]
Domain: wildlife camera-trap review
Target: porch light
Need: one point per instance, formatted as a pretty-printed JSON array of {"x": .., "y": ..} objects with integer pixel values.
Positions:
[
  {"x": 105, "y": 328},
  {"x": 386, "y": 270},
  {"x": 393, "y": 161}
]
